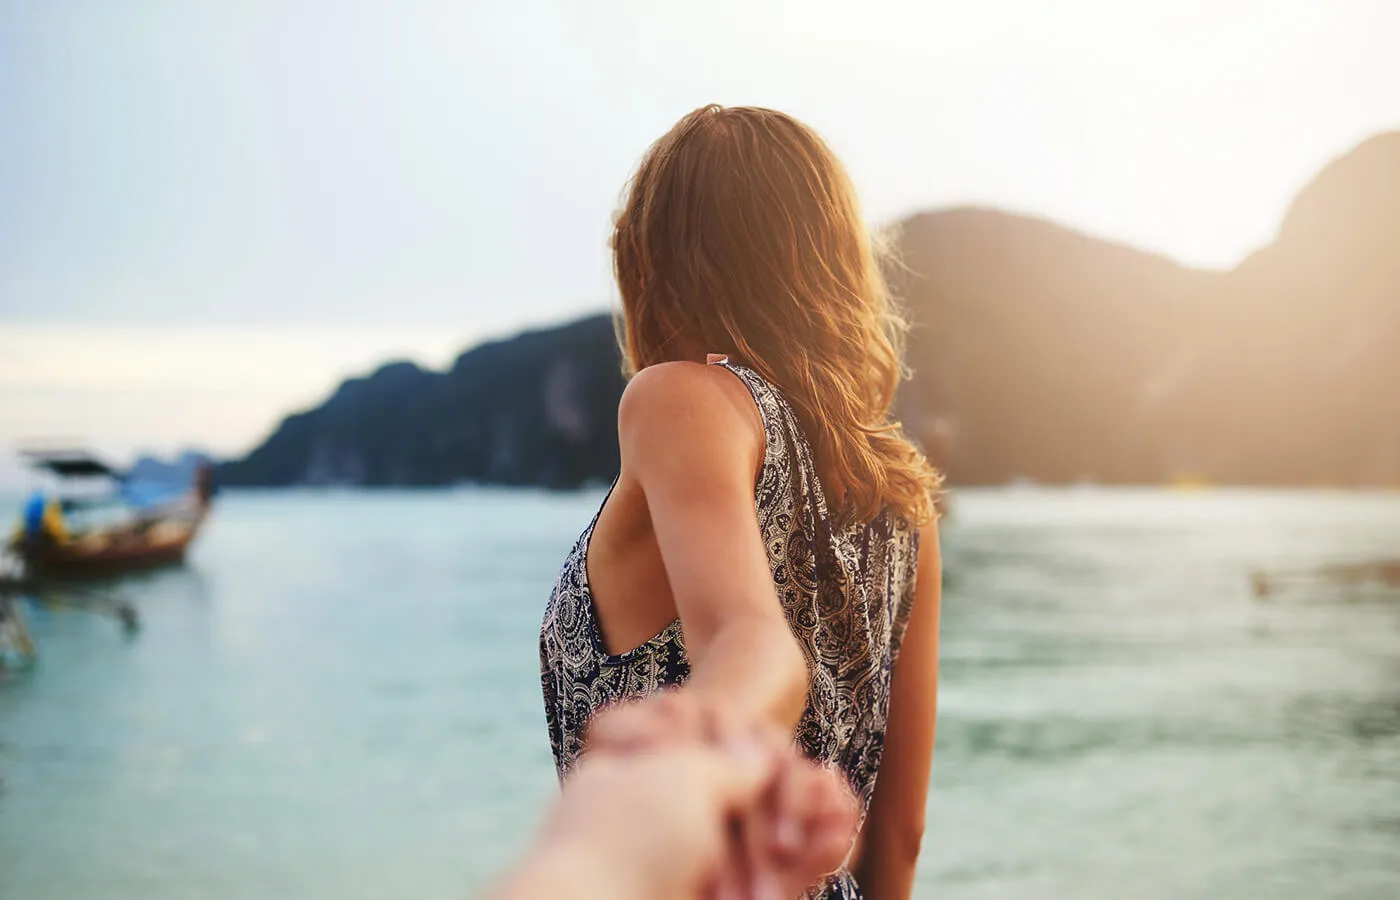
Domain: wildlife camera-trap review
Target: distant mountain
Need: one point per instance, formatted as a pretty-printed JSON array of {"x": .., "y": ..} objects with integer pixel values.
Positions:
[
  {"x": 1045, "y": 354},
  {"x": 1034, "y": 347},
  {"x": 537, "y": 409},
  {"x": 1298, "y": 379},
  {"x": 1038, "y": 353}
]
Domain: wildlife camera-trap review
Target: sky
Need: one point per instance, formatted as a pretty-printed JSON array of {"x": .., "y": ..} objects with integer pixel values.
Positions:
[{"x": 210, "y": 213}]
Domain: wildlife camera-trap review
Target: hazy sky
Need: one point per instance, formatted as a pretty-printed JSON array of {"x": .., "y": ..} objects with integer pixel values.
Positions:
[{"x": 211, "y": 212}]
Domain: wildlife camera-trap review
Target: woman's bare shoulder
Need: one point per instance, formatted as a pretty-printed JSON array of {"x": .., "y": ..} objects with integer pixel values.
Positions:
[{"x": 683, "y": 404}]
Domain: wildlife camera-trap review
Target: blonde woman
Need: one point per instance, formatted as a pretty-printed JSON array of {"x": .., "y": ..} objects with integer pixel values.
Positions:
[{"x": 768, "y": 547}]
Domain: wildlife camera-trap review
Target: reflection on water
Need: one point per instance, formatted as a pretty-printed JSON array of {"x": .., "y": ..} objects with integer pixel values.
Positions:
[{"x": 338, "y": 699}]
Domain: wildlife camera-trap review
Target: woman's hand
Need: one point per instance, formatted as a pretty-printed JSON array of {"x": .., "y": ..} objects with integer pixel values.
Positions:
[
  {"x": 794, "y": 829},
  {"x": 670, "y": 717}
]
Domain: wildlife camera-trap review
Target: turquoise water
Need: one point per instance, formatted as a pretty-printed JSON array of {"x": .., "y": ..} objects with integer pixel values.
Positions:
[{"x": 338, "y": 699}]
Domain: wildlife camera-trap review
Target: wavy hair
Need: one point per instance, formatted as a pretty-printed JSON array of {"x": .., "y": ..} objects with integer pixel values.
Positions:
[{"x": 740, "y": 233}]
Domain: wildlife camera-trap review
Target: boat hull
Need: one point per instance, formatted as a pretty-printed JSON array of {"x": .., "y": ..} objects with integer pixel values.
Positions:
[
  {"x": 110, "y": 553},
  {"x": 55, "y": 562},
  {"x": 150, "y": 537}
]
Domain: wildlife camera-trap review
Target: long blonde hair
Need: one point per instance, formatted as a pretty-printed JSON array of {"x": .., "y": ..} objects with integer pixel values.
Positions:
[{"x": 740, "y": 233}]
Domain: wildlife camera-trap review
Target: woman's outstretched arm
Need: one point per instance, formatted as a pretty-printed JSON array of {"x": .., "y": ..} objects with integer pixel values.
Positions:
[
  {"x": 692, "y": 438},
  {"x": 894, "y": 828}
]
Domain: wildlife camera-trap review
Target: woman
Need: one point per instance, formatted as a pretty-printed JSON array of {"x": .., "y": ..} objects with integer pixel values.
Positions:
[{"x": 769, "y": 542}]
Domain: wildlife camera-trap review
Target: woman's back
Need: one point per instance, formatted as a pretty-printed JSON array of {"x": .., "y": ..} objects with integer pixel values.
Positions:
[{"x": 845, "y": 591}]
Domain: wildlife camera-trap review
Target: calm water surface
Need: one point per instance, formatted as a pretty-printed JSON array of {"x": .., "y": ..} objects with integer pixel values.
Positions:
[{"x": 338, "y": 699}]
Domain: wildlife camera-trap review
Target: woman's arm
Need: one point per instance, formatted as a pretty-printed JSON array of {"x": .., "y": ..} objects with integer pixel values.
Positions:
[
  {"x": 692, "y": 438},
  {"x": 894, "y": 827}
]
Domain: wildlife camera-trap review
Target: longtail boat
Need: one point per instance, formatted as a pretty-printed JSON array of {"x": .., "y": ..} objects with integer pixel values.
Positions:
[{"x": 78, "y": 534}]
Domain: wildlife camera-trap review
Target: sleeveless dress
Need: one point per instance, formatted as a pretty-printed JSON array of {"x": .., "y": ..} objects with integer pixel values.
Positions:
[{"x": 847, "y": 595}]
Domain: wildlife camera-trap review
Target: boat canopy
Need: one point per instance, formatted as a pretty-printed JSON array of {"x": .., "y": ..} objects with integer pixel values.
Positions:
[{"x": 70, "y": 464}]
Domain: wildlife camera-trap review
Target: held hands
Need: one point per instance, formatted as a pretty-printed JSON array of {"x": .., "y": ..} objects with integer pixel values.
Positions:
[{"x": 699, "y": 806}]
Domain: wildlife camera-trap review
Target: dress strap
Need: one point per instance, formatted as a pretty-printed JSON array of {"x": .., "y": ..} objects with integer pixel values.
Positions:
[{"x": 779, "y": 418}]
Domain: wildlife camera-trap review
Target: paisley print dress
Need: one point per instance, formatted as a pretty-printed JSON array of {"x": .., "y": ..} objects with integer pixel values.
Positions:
[{"x": 846, "y": 592}]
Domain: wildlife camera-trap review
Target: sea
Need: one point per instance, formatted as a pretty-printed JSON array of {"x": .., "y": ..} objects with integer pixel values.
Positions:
[{"x": 338, "y": 699}]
